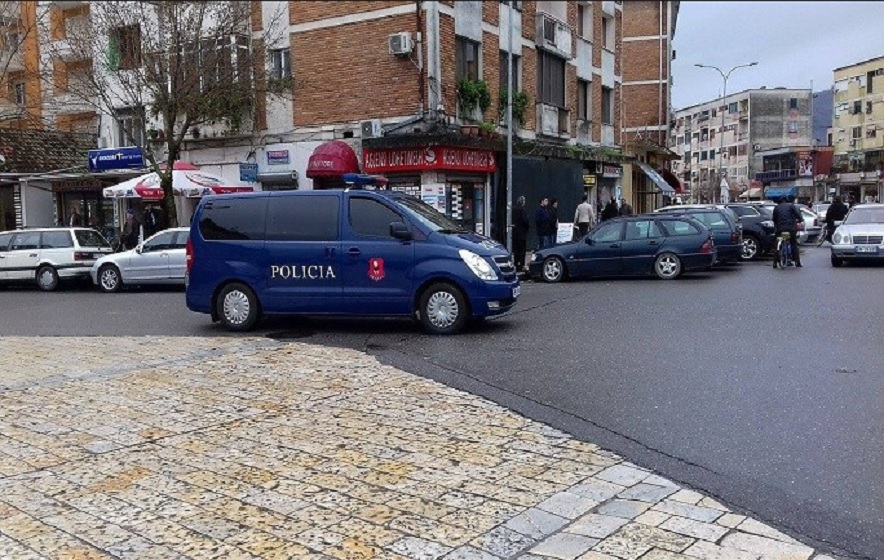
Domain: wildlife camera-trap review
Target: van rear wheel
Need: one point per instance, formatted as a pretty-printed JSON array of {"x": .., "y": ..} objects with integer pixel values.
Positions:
[
  {"x": 237, "y": 307},
  {"x": 443, "y": 309}
]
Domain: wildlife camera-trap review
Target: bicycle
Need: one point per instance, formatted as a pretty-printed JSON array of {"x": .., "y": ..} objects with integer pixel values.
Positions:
[{"x": 783, "y": 254}]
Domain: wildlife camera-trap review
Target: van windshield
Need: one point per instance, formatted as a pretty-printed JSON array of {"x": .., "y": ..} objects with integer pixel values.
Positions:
[{"x": 428, "y": 216}]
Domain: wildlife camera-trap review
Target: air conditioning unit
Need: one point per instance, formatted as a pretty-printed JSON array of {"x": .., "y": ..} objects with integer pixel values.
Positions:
[
  {"x": 372, "y": 129},
  {"x": 400, "y": 43}
]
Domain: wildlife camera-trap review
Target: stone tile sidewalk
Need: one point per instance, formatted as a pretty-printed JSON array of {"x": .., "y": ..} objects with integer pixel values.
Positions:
[{"x": 201, "y": 448}]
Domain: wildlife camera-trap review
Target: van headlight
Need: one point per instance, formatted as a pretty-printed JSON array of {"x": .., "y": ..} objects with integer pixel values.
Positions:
[{"x": 478, "y": 265}]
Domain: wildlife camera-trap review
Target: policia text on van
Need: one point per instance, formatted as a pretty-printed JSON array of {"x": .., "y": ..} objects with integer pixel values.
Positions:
[{"x": 342, "y": 252}]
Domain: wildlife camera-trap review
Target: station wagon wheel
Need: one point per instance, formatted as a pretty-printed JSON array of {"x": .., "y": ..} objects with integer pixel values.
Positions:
[
  {"x": 667, "y": 266},
  {"x": 237, "y": 307},
  {"x": 553, "y": 270},
  {"x": 443, "y": 309},
  {"x": 47, "y": 278},
  {"x": 751, "y": 248},
  {"x": 109, "y": 279}
]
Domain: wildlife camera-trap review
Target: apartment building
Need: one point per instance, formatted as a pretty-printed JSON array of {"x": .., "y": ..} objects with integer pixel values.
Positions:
[
  {"x": 648, "y": 31},
  {"x": 858, "y": 129},
  {"x": 730, "y": 133},
  {"x": 396, "y": 88}
]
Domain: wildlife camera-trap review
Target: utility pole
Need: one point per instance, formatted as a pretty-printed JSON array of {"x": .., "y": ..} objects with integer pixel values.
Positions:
[{"x": 509, "y": 131}]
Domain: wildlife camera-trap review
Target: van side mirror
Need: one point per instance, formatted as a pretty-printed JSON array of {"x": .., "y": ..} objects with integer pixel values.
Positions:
[{"x": 399, "y": 230}]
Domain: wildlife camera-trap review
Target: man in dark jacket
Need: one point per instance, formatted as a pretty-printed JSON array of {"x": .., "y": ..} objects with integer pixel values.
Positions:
[
  {"x": 610, "y": 211},
  {"x": 836, "y": 212},
  {"x": 786, "y": 217},
  {"x": 521, "y": 225},
  {"x": 552, "y": 231},
  {"x": 541, "y": 223}
]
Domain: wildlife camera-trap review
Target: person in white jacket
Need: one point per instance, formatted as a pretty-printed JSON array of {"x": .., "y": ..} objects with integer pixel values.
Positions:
[{"x": 584, "y": 217}]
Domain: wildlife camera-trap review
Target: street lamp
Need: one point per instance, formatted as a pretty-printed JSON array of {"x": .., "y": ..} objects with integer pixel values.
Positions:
[{"x": 724, "y": 77}]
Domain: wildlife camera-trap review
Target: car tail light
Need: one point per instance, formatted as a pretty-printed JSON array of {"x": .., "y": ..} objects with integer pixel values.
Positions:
[
  {"x": 707, "y": 247},
  {"x": 188, "y": 251},
  {"x": 80, "y": 256},
  {"x": 735, "y": 237}
]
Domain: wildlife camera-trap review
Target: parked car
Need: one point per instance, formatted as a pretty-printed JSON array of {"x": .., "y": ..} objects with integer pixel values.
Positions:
[
  {"x": 159, "y": 260},
  {"x": 860, "y": 237},
  {"x": 758, "y": 229},
  {"x": 723, "y": 223},
  {"x": 820, "y": 209},
  {"x": 813, "y": 226},
  {"x": 49, "y": 255},
  {"x": 663, "y": 244}
]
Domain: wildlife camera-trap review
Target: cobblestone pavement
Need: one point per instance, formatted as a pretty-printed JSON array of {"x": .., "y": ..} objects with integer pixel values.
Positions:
[{"x": 250, "y": 448}]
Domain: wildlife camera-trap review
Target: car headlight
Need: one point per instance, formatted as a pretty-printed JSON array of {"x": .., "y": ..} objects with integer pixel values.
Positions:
[
  {"x": 478, "y": 265},
  {"x": 841, "y": 238}
]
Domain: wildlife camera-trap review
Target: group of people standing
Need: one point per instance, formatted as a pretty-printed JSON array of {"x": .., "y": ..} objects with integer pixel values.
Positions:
[{"x": 546, "y": 222}]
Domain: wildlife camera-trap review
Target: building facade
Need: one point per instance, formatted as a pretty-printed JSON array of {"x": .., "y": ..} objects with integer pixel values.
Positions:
[
  {"x": 729, "y": 134},
  {"x": 648, "y": 31},
  {"x": 858, "y": 130}
]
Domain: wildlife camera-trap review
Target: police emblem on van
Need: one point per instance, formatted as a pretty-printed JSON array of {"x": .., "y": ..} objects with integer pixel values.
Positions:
[
  {"x": 302, "y": 271},
  {"x": 376, "y": 269}
]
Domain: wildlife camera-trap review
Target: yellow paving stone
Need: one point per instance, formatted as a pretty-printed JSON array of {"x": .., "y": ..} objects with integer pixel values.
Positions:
[
  {"x": 353, "y": 549},
  {"x": 252, "y": 475},
  {"x": 22, "y": 526},
  {"x": 421, "y": 507},
  {"x": 266, "y": 545},
  {"x": 318, "y": 516},
  {"x": 78, "y": 553},
  {"x": 120, "y": 481},
  {"x": 470, "y": 521},
  {"x": 366, "y": 532}
]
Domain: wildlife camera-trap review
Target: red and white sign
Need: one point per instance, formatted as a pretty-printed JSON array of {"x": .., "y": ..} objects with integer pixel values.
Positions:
[
  {"x": 376, "y": 269},
  {"x": 430, "y": 158}
]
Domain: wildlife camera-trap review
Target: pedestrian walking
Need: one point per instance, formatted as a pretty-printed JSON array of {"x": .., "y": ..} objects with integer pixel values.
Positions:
[
  {"x": 625, "y": 208},
  {"x": 610, "y": 210},
  {"x": 521, "y": 225},
  {"x": 584, "y": 217},
  {"x": 541, "y": 223},
  {"x": 553, "y": 231}
]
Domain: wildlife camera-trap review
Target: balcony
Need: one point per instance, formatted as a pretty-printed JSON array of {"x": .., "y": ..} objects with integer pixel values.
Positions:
[
  {"x": 779, "y": 175},
  {"x": 553, "y": 35},
  {"x": 553, "y": 121}
]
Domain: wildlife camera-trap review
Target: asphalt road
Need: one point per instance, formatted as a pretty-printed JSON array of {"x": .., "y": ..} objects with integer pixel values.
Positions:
[{"x": 762, "y": 387}]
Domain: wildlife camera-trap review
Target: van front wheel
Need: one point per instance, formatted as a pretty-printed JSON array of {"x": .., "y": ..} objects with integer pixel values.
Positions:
[
  {"x": 237, "y": 307},
  {"x": 443, "y": 309}
]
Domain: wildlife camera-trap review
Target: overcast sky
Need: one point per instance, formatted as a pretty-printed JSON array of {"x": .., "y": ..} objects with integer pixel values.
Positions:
[{"x": 793, "y": 43}]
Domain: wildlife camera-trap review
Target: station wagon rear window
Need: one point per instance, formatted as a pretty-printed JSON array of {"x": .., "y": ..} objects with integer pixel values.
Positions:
[
  {"x": 4, "y": 241},
  {"x": 679, "y": 227},
  {"x": 89, "y": 238},
  {"x": 57, "y": 240}
]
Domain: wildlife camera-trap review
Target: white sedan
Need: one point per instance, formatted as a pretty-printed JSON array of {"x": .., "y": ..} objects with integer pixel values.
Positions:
[{"x": 160, "y": 259}]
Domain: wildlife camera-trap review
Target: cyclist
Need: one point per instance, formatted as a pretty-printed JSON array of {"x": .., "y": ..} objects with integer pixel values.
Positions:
[
  {"x": 836, "y": 212},
  {"x": 786, "y": 217}
]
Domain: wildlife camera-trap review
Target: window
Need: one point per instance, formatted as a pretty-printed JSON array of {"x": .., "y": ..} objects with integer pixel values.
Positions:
[
  {"x": 4, "y": 241},
  {"x": 551, "y": 78},
  {"x": 25, "y": 241},
  {"x": 236, "y": 220},
  {"x": 793, "y": 127},
  {"x": 124, "y": 50},
  {"x": 303, "y": 218},
  {"x": 19, "y": 94},
  {"x": 857, "y": 107},
  {"x": 744, "y": 211},
  {"x": 466, "y": 59},
  {"x": 162, "y": 242},
  {"x": 56, "y": 240},
  {"x": 857, "y": 132},
  {"x": 732, "y": 108},
  {"x": 504, "y": 68},
  {"x": 643, "y": 229},
  {"x": 868, "y": 107},
  {"x": 517, "y": 4},
  {"x": 584, "y": 21},
  {"x": 370, "y": 218},
  {"x": 89, "y": 238},
  {"x": 870, "y": 131},
  {"x": 181, "y": 239},
  {"x": 793, "y": 103},
  {"x": 711, "y": 134},
  {"x": 282, "y": 63},
  {"x": 608, "y": 32},
  {"x": 680, "y": 227},
  {"x": 607, "y": 233},
  {"x": 584, "y": 100},
  {"x": 607, "y": 105},
  {"x": 130, "y": 127},
  {"x": 702, "y": 154}
]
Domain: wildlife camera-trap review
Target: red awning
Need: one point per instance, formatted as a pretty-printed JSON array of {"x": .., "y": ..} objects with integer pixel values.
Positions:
[
  {"x": 332, "y": 159},
  {"x": 672, "y": 180}
]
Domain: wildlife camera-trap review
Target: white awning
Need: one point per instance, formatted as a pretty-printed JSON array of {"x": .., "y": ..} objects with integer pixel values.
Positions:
[{"x": 657, "y": 179}]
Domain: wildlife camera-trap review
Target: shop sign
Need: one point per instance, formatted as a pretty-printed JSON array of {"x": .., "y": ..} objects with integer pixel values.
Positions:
[
  {"x": 115, "y": 158},
  {"x": 588, "y": 180},
  {"x": 277, "y": 157},
  {"x": 248, "y": 172},
  {"x": 429, "y": 158},
  {"x": 610, "y": 171}
]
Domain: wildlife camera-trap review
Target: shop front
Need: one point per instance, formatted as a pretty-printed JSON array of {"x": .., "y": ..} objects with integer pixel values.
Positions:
[
  {"x": 454, "y": 180},
  {"x": 609, "y": 179},
  {"x": 79, "y": 202}
]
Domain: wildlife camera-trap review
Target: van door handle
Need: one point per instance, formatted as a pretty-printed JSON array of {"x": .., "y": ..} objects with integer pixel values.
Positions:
[{"x": 354, "y": 251}]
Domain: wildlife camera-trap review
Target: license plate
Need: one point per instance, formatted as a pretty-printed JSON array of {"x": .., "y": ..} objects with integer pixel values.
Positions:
[
  {"x": 517, "y": 291},
  {"x": 873, "y": 249}
]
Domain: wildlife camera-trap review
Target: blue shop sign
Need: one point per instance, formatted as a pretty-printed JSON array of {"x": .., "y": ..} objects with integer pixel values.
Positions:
[
  {"x": 116, "y": 158},
  {"x": 248, "y": 172},
  {"x": 277, "y": 157}
]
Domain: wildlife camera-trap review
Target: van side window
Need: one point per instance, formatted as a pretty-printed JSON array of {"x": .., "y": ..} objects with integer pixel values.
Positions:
[
  {"x": 303, "y": 218},
  {"x": 370, "y": 218},
  {"x": 238, "y": 219}
]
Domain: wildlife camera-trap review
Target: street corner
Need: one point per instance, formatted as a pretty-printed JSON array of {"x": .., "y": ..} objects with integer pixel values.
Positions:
[{"x": 249, "y": 448}]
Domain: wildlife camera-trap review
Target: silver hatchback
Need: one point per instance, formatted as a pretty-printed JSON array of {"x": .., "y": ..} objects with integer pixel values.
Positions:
[{"x": 160, "y": 259}]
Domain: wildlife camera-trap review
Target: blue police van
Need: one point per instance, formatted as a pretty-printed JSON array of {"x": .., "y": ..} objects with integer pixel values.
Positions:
[{"x": 348, "y": 252}]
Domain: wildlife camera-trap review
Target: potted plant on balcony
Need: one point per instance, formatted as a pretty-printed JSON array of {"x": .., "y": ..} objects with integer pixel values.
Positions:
[
  {"x": 472, "y": 95},
  {"x": 487, "y": 129},
  {"x": 521, "y": 100}
]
